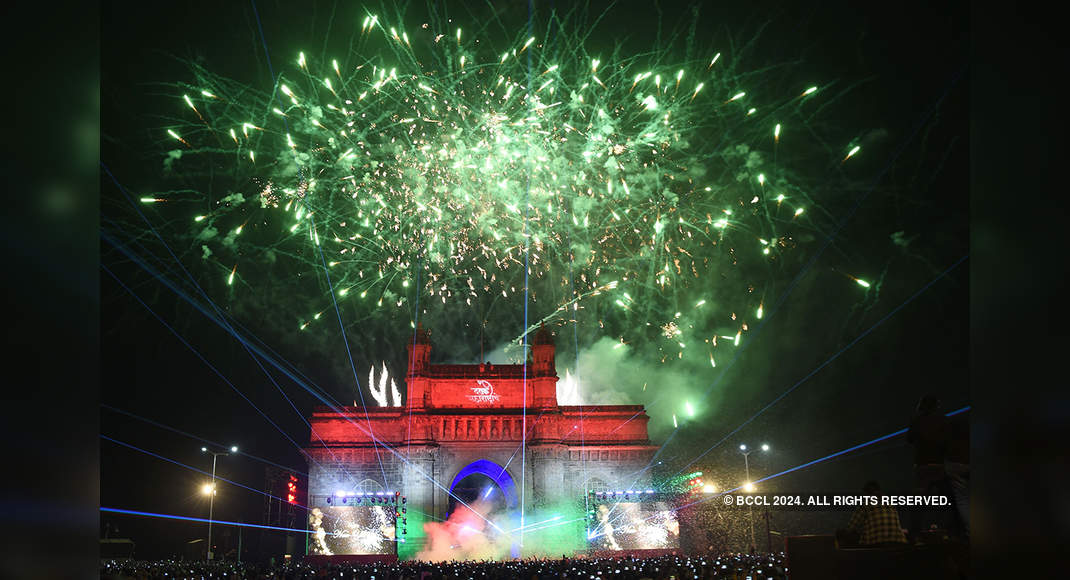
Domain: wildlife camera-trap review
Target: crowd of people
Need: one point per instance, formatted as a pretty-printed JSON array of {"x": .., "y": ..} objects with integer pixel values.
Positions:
[{"x": 733, "y": 566}]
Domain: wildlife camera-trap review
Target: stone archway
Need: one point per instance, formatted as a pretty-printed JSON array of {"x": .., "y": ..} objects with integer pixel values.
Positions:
[{"x": 496, "y": 473}]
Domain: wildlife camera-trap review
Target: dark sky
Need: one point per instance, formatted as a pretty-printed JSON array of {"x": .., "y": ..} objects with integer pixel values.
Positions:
[{"x": 900, "y": 59}]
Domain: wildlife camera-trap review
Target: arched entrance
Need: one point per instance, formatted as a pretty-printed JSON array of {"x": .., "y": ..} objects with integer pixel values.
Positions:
[
  {"x": 495, "y": 473},
  {"x": 478, "y": 481}
]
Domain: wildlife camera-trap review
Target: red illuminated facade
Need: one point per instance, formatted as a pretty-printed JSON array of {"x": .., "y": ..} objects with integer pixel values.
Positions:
[{"x": 482, "y": 402}]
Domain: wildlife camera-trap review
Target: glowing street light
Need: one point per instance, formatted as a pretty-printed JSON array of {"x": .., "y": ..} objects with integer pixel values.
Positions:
[
  {"x": 210, "y": 490},
  {"x": 749, "y": 488},
  {"x": 709, "y": 488}
]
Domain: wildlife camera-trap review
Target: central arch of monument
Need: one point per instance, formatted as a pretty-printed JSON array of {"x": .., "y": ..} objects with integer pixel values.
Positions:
[{"x": 498, "y": 474}]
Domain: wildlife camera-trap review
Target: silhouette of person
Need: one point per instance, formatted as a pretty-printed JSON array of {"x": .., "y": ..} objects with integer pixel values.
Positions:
[
  {"x": 957, "y": 467},
  {"x": 930, "y": 434}
]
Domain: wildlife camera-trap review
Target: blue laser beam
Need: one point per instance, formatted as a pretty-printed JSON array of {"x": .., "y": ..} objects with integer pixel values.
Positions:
[
  {"x": 201, "y": 439},
  {"x": 203, "y": 520},
  {"x": 190, "y": 467}
]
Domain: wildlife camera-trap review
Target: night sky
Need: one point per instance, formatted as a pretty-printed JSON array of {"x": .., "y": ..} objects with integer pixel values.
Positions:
[{"x": 899, "y": 71}]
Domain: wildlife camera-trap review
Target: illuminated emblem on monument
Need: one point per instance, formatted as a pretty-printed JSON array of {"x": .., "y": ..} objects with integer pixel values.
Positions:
[
  {"x": 380, "y": 393},
  {"x": 483, "y": 393}
]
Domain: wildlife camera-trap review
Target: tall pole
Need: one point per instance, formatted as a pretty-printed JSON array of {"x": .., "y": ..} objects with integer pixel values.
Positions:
[
  {"x": 211, "y": 506},
  {"x": 750, "y": 508},
  {"x": 211, "y": 499}
]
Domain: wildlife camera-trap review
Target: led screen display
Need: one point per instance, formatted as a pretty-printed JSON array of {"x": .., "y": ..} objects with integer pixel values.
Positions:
[
  {"x": 352, "y": 530},
  {"x": 634, "y": 526}
]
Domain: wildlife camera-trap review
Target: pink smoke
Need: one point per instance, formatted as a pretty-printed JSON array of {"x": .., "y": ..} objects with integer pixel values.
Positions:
[{"x": 465, "y": 535}]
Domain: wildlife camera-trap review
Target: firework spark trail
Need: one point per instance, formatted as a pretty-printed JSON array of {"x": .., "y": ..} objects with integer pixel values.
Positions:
[
  {"x": 854, "y": 208},
  {"x": 828, "y": 240},
  {"x": 322, "y": 259},
  {"x": 414, "y": 155},
  {"x": 415, "y": 327},
  {"x": 576, "y": 355},
  {"x": 518, "y": 341}
]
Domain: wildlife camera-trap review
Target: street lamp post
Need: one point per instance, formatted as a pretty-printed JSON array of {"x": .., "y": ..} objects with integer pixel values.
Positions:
[
  {"x": 749, "y": 487},
  {"x": 210, "y": 490}
]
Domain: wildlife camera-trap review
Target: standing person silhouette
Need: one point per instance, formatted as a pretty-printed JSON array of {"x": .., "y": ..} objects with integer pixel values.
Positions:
[
  {"x": 957, "y": 466},
  {"x": 930, "y": 434}
]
